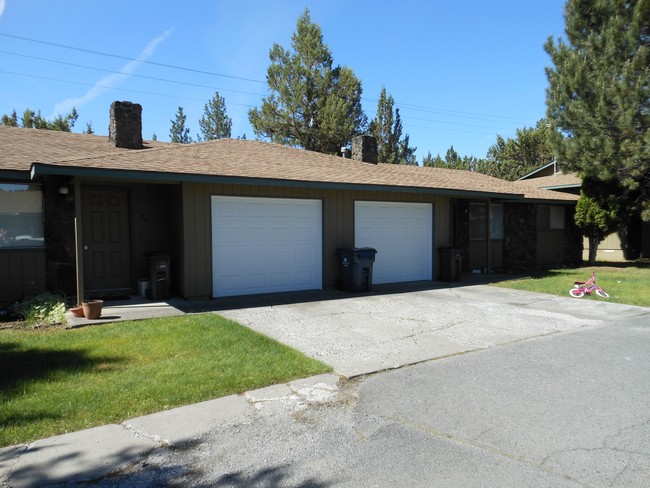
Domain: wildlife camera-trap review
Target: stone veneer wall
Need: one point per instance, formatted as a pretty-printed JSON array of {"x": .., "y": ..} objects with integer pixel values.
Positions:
[
  {"x": 520, "y": 232},
  {"x": 58, "y": 222}
]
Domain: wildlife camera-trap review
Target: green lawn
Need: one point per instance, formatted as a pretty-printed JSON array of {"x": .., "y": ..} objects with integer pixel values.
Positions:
[
  {"x": 63, "y": 380},
  {"x": 628, "y": 284}
]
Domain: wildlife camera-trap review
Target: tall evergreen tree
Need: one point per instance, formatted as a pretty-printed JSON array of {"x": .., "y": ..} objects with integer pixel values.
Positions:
[
  {"x": 432, "y": 162},
  {"x": 215, "y": 123},
  {"x": 598, "y": 101},
  {"x": 386, "y": 127},
  {"x": 34, "y": 120},
  {"x": 10, "y": 120},
  {"x": 178, "y": 132},
  {"x": 312, "y": 104},
  {"x": 513, "y": 158}
]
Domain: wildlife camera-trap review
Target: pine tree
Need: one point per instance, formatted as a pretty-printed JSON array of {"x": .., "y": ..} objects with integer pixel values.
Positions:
[
  {"x": 34, "y": 120},
  {"x": 89, "y": 128},
  {"x": 598, "y": 101},
  {"x": 312, "y": 104},
  {"x": 10, "y": 120},
  {"x": 386, "y": 127},
  {"x": 215, "y": 123},
  {"x": 513, "y": 158},
  {"x": 178, "y": 132}
]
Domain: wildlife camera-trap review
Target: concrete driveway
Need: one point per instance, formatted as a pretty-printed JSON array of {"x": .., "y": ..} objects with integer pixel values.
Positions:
[
  {"x": 358, "y": 335},
  {"x": 566, "y": 408}
]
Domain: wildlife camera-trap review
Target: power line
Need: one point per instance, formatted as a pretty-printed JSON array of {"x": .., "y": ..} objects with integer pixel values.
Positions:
[
  {"x": 76, "y": 65},
  {"x": 129, "y": 74},
  {"x": 456, "y": 113},
  {"x": 126, "y": 58},
  {"x": 111, "y": 87}
]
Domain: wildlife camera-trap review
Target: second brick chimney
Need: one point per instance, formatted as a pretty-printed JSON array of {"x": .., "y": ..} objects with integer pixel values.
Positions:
[
  {"x": 364, "y": 148},
  {"x": 125, "y": 129}
]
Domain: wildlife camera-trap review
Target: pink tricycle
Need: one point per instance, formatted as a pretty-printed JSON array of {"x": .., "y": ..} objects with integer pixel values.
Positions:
[{"x": 582, "y": 288}]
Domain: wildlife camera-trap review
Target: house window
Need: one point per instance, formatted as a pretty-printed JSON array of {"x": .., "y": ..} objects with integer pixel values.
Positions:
[
  {"x": 478, "y": 221},
  {"x": 21, "y": 216},
  {"x": 550, "y": 218}
]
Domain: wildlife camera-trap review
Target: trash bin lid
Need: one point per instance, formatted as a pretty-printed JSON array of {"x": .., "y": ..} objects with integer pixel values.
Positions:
[{"x": 365, "y": 253}]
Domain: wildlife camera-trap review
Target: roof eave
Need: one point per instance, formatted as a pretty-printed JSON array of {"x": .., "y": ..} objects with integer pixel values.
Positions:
[
  {"x": 40, "y": 169},
  {"x": 562, "y": 187},
  {"x": 14, "y": 174},
  {"x": 525, "y": 177}
]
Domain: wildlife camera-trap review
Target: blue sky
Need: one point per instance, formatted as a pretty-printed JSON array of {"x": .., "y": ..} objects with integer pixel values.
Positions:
[{"x": 461, "y": 72}]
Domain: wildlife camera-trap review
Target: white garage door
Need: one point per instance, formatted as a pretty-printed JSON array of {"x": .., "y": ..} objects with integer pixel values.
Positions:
[
  {"x": 262, "y": 245},
  {"x": 402, "y": 233}
]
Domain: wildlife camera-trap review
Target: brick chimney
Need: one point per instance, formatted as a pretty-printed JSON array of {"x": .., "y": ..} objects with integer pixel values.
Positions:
[
  {"x": 364, "y": 148},
  {"x": 125, "y": 129}
]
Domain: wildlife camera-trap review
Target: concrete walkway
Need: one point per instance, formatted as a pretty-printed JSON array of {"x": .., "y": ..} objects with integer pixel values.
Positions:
[{"x": 356, "y": 334}]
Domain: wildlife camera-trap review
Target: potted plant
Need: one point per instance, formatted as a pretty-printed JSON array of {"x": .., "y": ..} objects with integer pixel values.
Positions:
[
  {"x": 77, "y": 311},
  {"x": 92, "y": 309}
]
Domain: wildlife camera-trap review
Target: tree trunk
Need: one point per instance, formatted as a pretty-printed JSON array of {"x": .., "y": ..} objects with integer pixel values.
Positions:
[{"x": 593, "y": 250}]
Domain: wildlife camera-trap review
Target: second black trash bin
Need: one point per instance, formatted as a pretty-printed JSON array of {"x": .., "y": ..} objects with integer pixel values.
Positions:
[
  {"x": 159, "y": 275},
  {"x": 356, "y": 268},
  {"x": 451, "y": 263}
]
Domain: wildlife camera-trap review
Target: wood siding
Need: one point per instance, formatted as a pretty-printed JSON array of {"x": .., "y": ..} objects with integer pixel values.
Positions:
[
  {"x": 195, "y": 275},
  {"x": 22, "y": 273}
]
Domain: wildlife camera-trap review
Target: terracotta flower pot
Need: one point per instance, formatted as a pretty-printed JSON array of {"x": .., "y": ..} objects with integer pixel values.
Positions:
[
  {"x": 93, "y": 309},
  {"x": 77, "y": 311}
]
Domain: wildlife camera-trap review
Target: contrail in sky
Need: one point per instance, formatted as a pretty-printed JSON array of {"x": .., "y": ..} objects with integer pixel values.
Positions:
[
  {"x": 110, "y": 81},
  {"x": 2, "y": 7}
]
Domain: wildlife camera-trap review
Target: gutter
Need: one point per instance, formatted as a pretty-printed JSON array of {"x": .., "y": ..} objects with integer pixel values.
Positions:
[{"x": 40, "y": 169}]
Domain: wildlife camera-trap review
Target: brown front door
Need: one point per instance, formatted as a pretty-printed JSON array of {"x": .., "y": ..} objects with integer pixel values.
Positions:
[{"x": 106, "y": 239}]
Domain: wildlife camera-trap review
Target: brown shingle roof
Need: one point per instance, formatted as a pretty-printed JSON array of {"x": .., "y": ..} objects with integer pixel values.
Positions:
[
  {"x": 554, "y": 181},
  {"x": 20, "y": 148}
]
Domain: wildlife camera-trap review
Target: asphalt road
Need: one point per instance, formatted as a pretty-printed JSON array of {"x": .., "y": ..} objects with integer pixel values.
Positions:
[{"x": 570, "y": 409}]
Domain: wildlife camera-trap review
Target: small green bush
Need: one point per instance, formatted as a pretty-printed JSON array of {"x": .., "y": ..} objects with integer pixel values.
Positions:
[{"x": 42, "y": 310}]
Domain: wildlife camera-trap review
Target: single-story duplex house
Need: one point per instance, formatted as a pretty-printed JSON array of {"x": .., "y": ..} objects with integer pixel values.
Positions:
[
  {"x": 627, "y": 244},
  {"x": 238, "y": 217}
]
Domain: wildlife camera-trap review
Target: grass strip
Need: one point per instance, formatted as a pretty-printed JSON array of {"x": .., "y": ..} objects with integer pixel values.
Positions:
[
  {"x": 63, "y": 380},
  {"x": 625, "y": 284}
]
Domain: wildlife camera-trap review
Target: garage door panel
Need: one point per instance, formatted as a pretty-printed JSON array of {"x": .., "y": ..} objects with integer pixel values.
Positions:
[
  {"x": 263, "y": 245},
  {"x": 402, "y": 233}
]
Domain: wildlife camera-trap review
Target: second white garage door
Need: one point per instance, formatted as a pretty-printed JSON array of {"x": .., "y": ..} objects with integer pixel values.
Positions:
[
  {"x": 402, "y": 233},
  {"x": 263, "y": 245}
]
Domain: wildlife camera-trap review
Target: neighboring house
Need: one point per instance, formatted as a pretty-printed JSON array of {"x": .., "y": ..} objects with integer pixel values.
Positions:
[
  {"x": 630, "y": 243},
  {"x": 243, "y": 217}
]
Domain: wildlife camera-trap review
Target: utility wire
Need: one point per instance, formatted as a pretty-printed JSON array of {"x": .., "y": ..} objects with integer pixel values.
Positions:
[
  {"x": 112, "y": 87},
  {"x": 76, "y": 65},
  {"x": 460, "y": 114},
  {"x": 126, "y": 58},
  {"x": 130, "y": 74}
]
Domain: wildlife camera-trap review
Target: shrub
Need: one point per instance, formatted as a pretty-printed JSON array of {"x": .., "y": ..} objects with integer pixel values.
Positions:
[{"x": 42, "y": 310}]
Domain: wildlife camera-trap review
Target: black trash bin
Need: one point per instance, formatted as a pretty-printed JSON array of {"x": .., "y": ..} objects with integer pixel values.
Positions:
[
  {"x": 159, "y": 275},
  {"x": 356, "y": 268},
  {"x": 451, "y": 260}
]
